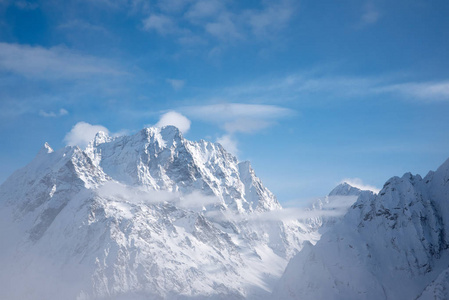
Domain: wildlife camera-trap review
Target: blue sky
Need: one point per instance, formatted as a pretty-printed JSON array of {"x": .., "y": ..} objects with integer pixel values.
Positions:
[{"x": 311, "y": 92}]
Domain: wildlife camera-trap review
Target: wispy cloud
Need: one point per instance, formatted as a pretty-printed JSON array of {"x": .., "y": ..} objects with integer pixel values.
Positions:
[
  {"x": 272, "y": 18},
  {"x": 370, "y": 14},
  {"x": 231, "y": 114},
  {"x": 26, "y": 5},
  {"x": 229, "y": 143},
  {"x": 52, "y": 63},
  {"x": 162, "y": 24},
  {"x": 238, "y": 118},
  {"x": 176, "y": 84},
  {"x": 308, "y": 85},
  {"x": 139, "y": 195},
  {"x": 52, "y": 114},
  {"x": 33, "y": 76},
  {"x": 81, "y": 25},
  {"x": 335, "y": 206},
  {"x": 427, "y": 91},
  {"x": 223, "y": 21}
]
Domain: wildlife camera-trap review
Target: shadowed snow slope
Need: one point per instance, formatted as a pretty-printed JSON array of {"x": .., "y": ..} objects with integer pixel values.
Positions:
[
  {"x": 393, "y": 245},
  {"x": 145, "y": 216}
]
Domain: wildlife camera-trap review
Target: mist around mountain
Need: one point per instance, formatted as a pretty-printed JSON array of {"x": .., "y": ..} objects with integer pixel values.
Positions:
[
  {"x": 146, "y": 216},
  {"x": 155, "y": 216}
]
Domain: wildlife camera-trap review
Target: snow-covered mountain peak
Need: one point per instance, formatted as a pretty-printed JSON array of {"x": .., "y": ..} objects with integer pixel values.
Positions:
[
  {"x": 167, "y": 136},
  {"x": 150, "y": 213},
  {"x": 345, "y": 189},
  {"x": 100, "y": 138},
  {"x": 389, "y": 245},
  {"x": 46, "y": 148}
]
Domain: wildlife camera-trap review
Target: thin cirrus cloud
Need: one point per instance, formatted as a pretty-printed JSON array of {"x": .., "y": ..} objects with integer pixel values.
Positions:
[
  {"x": 371, "y": 15},
  {"x": 307, "y": 85},
  {"x": 137, "y": 195},
  {"x": 428, "y": 91},
  {"x": 215, "y": 19},
  {"x": 176, "y": 84},
  {"x": 336, "y": 207},
  {"x": 238, "y": 118},
  {"x": 52, "y": 63},
  {"x": 231, "y": 117},
  {"x": 51, "y": 114}
]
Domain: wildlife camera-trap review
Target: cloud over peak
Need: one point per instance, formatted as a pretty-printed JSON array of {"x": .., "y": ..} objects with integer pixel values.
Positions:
[
  {"x": 176, "y": 119},
  {"x": 82, "y": 133}
]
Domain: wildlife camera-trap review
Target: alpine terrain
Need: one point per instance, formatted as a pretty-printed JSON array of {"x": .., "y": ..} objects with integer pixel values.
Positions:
[
  {"x": 148, "y": 216},
  {"x": 393, "y": 245}
]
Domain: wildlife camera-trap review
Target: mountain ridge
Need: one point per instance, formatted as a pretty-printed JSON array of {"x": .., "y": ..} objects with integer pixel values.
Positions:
[
  {"x": 390, "y": 245},
  {"x": 145, "y": 215}
]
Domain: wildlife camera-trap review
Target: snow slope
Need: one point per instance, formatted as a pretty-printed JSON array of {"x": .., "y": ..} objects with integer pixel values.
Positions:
[
  {"x": 147, "y": 216},
  {"x": 393, "y": 245}
]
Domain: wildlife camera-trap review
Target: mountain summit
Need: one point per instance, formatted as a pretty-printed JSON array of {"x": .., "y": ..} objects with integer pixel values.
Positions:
[
  {"x": 393, "y": 245},
  {"x": 147, "y": 215}
]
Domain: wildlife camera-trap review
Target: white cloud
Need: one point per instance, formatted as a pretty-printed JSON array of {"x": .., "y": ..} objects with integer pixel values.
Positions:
[
  {"x": 246, "y": 125},
  {"x": 233, "y": 111},
  {"x": 229, "y": 143},
  {"x": 162, "y": 24},
  {"x": 172, "y": 6},
  {"x": 175, "y": 119},
  {"x": 222, "y": 20},
  {"x": 273, "y": 18},
  {"x": 358, "y": 183},
  {"x": 25, "y": 5},
  {"x": 224, "y": 28},
  {"x": 429, "y": 91},
  {"x": 204, "y": 9},
  {"x": 176, "y": 84},
  {"x": 52, "y": 114},
  {"x": 51, "y": 63},
  {"x": 82, "y": 133},
  {"x": 308, "y": 85},
  {"x": 138, "y": 195},
  {"x": 370, "y": 15},
  {"x": 336, "y": 208},
  {"x": 84, "y": 26},
  {"x": 239, "y": 117}
]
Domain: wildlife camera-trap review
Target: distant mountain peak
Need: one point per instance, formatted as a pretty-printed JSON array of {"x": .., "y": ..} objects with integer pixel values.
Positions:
[
  {"x": 390, "y": 245},
  {"x": 345, "y": 189},
  {"x": 46, "y": 149}
]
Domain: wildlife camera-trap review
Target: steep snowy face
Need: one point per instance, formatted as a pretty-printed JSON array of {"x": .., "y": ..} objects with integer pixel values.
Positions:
[
  {"x": 388, "y": 246},
  {"x": 161, "y": 159},
  {"x": 150, "y": 215},
  {"x": 345, "y": 189},
  {"x": 334, "y": 206}
]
